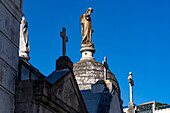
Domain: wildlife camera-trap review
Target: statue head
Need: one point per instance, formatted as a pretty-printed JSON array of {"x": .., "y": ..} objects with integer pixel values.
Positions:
[
  {"x": 130, "y": 73},
  {"x": 89, "y": 11},
  {"x": 24, "y": 24}
]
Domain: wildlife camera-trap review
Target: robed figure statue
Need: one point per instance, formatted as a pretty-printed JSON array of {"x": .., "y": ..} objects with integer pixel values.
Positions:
[
  {"x": 86, "y": 31},
  {"x": 24, "y": 41}
]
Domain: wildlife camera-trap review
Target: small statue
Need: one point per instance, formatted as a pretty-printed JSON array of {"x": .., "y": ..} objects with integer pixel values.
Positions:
[
  {"x": 24, "y": 42},
  {"x": 130, "y": 79},
  {"x": 86, "y": 26}
]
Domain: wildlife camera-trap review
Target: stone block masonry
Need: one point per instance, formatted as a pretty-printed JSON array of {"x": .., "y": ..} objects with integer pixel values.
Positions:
[{"x": 10, "y": 17}]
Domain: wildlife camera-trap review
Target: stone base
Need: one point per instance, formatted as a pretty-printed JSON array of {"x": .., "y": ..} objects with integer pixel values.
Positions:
[
  {"x": 87, "y": 53},
  {"x": 87, "y": 45},
  {"x": 24, "y": 55},
  {"x": 64, "y": 62},
  {"x": 131, "y": 108}
]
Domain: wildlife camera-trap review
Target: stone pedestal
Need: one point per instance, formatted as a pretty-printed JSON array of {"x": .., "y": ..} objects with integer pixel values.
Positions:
[
  {"x": 87, "y": 53},
  {"x": 24, "y": 55},
  {"x": 131, "y": 108},
  {"x": 64, "y": 62}
]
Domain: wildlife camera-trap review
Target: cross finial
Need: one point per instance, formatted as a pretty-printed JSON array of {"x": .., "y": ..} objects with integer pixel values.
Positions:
[
  {"x": 105, "y": 68},
  {"x": 65, "y": 39},
  {"x": 105, "y": 62}
]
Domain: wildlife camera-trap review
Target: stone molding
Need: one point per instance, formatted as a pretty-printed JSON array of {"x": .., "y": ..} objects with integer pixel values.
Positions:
[{"x": 87, "y": 53}]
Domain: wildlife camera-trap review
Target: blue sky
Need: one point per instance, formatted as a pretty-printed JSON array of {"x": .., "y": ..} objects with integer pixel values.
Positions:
[{"x": 133, "y": 34}]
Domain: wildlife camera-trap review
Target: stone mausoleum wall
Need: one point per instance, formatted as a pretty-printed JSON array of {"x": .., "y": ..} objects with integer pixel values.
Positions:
[{"x": 10, "y": 17}]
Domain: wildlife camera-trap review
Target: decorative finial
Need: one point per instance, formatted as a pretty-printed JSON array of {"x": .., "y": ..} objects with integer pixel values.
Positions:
[
  {"x": 131, "y": 83},
  {"x": 131, "y": 104},
  {"x": 105, "y": 68}
]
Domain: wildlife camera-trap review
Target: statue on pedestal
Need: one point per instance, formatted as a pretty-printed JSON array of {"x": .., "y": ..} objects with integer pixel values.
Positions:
[
  {"x": 86, "y": 31},
  {"x": 131, "y": 107},
  {"x": 24, "y": 47}
]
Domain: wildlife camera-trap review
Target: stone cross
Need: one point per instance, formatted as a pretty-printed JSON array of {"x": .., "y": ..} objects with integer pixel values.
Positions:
[
  {"x": 105, "y": 68},
  {"x": 131, "y": 83},
  {"x": 65, "y": 39}
]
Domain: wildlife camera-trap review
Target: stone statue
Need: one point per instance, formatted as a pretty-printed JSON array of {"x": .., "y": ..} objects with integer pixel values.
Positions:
[
  {"x": 131, "y": 104},
  {"x": 24, "y": 42},
  {"x": 86, "y": 26}
]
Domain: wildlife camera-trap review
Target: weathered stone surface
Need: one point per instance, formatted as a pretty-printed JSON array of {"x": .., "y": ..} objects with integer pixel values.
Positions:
[
  {"x": 6, "y": 102},
  {"x": 45, "y": 96},
  {"x": 26, "y": 92},
  {"x": 61, "y": 97},
  {"x": 14, "y": 7},
  {"x": 88, "y": 72},
  {"x": 64, "y": 62},
  {"x": 24, "y": 107},
  {"x": 84, "y": 80},
  {"x": 9, "y": 25},
  {"x": 66, "y": 91},
  {"x": 16, "y": 2},
  {"x": 24, "y": 89},
  {"x": 7, "y": 77},
  {"x": 8, "y": 52},
  {"x": 10, "y": 16},
  {"x": 43, "y": 109},
  {"x": 84, "y": 86}
]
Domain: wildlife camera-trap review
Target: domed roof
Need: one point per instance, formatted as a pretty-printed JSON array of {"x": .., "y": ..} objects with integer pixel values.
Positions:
[{"x": 89, "y": 71}]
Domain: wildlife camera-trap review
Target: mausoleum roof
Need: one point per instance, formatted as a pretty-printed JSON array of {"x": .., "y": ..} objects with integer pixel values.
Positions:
[
  {"x": 55, "y": 75},
  {"x": 89, "y": 71}
]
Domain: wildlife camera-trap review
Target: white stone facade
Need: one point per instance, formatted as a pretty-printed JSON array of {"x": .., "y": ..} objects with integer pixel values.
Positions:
[{"x": 167, "y": 110}]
